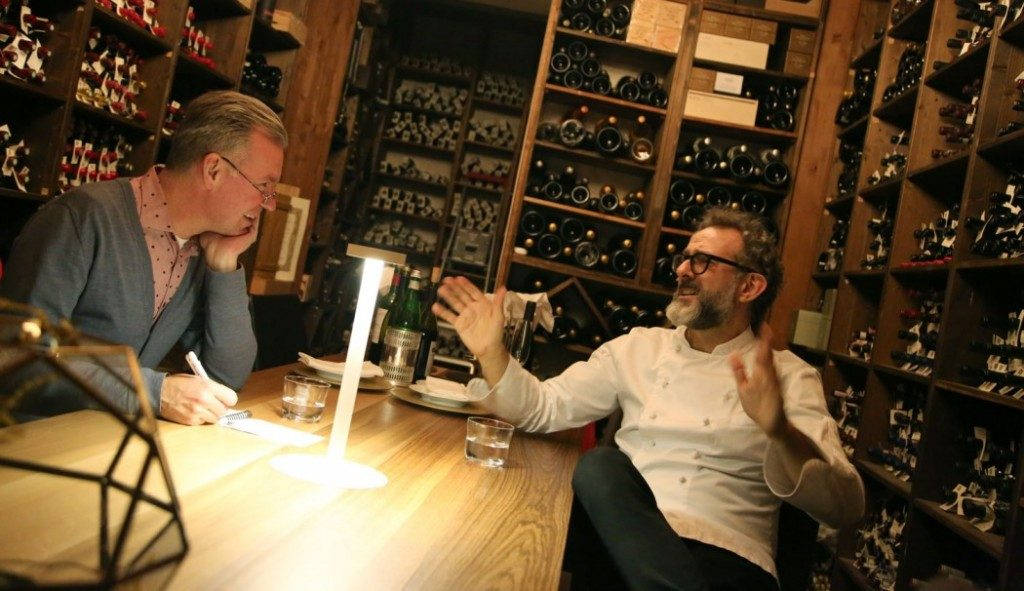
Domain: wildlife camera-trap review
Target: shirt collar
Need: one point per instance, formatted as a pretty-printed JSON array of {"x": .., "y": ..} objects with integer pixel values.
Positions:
[
  {"x": 738, "y": 343},
  {"x": 153, "y": 211}
]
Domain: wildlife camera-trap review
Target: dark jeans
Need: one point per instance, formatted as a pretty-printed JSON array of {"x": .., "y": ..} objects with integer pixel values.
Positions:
[{"x": 618, "y": 539}]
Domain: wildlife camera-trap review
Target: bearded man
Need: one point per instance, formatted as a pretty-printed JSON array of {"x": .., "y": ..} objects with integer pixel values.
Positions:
[{"x": 717, "y": 429}]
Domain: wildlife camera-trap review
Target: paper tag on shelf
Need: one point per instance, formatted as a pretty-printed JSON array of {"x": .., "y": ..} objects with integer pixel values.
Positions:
[{"x": 728, "y": 83}]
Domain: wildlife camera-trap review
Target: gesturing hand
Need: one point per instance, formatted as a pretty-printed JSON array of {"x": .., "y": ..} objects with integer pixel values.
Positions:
[
  {"x": 760, "y": 392},
  {"x": 480, "y": 322}
]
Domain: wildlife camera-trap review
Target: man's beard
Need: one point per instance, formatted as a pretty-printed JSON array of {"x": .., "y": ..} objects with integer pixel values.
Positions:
[{"x": 710, "y": 309}]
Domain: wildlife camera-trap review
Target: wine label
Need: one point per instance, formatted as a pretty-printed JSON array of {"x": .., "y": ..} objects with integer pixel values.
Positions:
[{"x": 378, "y": 321}]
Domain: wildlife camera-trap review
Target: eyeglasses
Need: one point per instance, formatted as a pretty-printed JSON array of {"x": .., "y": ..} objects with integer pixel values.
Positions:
[
  {"x": 699, "y": 262},
  {"x": 267, "y": 195}
]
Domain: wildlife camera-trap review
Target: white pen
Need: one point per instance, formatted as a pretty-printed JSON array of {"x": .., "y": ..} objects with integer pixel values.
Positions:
[{"x": 196, "y": 365}]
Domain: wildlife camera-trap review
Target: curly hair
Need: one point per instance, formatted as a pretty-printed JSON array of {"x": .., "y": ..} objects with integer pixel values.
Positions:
[{"x": 760, "y": 251}]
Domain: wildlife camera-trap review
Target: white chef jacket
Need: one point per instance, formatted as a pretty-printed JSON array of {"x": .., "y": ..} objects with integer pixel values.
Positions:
[{"x": 714, "y": 473}]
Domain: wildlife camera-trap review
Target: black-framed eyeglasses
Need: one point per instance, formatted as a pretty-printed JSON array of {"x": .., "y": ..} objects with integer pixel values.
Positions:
[
  {"x": 699, "y": 262},
  {"x": 267, "y": 195}
]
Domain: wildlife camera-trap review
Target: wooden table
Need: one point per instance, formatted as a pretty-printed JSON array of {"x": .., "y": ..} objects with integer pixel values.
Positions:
[{"x": 440, "y": 523}]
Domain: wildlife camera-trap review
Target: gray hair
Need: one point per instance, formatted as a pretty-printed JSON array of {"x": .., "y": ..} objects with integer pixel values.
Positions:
[
  {"x": 760, "y": 252},
  {"x": 221, "y": 121}
]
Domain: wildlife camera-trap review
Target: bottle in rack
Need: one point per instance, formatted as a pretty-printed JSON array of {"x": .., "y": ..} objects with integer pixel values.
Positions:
[
  {"x": 706, "y": 159},
  {"x": 571, "y": 131},
  {"x": 608, "y": 138},
  {"x": 623, "y": 258},
  {"x": 741, "y": 164},
  {"x": 642, "y": 147}
]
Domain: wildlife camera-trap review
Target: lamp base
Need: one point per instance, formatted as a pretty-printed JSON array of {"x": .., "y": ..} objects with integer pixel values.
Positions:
[{"x": 338, "y": 473}]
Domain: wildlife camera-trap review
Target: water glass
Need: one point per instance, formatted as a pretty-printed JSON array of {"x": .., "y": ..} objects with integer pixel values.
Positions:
[
  {"x": 487, "y": 441},
  {"x": 304, "y": 398}
]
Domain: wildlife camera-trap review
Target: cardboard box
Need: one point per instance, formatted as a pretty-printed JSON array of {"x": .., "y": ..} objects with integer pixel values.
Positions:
[
  {"x": 810, "y": 329},
  {"x": 811, "y": 8},
  {"x": 702, "y": 79},
  {"x": 764, "y": 31},
  {"x": 739, "y": 52},
  {"x": 802, "y": 41},
  {"x": 720, "y": 107},
  {"x": 727, "y": 83},
  {"x": 657, "y": 23},
  {"x": 289, "y": 23},
  {"x": 797, "y": 63}
]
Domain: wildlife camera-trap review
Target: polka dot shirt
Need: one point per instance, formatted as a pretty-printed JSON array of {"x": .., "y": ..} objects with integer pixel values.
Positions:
[{"x": 168, "y": 254}]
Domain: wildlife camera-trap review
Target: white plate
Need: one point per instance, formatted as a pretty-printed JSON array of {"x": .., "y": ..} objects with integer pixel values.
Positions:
[{"x": 442, "y": 398}]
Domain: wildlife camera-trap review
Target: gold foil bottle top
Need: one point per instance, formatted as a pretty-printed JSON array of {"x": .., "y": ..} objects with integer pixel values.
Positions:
[
  {"x": 552, "y": 227},
  {"x": 670, "y": 248},
  {"x": 528, "y": 243},
  {"x": 590, "y": 234}
]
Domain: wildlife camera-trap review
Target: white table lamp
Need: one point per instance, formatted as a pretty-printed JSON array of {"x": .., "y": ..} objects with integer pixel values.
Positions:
[{"x": 333, "y": 469}]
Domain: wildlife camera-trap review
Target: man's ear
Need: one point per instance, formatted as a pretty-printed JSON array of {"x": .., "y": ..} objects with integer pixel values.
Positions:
[
  {"x": 752, "y": 286},
  {"x": 212, "y": 169}
]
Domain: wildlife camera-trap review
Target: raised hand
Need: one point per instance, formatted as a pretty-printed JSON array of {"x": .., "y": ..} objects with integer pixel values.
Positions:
[
  {"x": 479, "y": 321},
  {"x": 759, "y": 390}
]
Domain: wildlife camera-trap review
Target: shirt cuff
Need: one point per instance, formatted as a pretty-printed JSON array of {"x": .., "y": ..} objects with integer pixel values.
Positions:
[
  {"x": 776, "y": 471},
  {"x": 480, "y": 391}
]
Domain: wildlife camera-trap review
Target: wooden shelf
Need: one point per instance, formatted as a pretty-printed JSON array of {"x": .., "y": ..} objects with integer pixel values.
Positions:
[
  {"x": 961, "y": 71},
  {"x": 900, "y": 109},
  {"x": 986, "y": 542},
  {"x": 853, "y": 573},
  {"x": 425, "y": 185},
  {"x": 848, "y": 360},
  {"x": 35, "y": 91},
  {"x": 802, "y": 351},
  {"x": 676, "y": 231},
  {"x": 980, "y": 394},
  {"x": 914, "y": 26},
  {"x": 496, "y": 106},
  {"x": 595, "y": 158},
  {"x": 866, "y": 274},
  {"x": 400, "y": 145},
  {"x": 483, "y": 147},
  {"x": 781, "y": 17},
  {"x": 601, "y": 99},
  {"x": 196, "y": 74},
  {"x": 879, "y": 473},
  {"x": 936, "y": 270},
  {"x": 608, "y": 41},
  {"x": 884, "y": 190},
  {"x": 797, "y": 79},
  {"x": 869, "y": 57},
  {"x": 1014, "y": 32},
  {"x": 424, "y": 111},
  {"x": 140, "y": 39},
  {"x": 431, "y": 76},
  {"x": 107, "y": 117},
  {"x": 857, "y": 129},
  {"x": 748, "y": 131},
  {"x": 267, "y": 38},
  {"x": 409, "y": 216},
  {"x": 494, "y": 193},
  {"x": 943, "y": 178},
  {"x": 991, "y": 265},
  {"x": 411, "y": 253},
  {"x": 214, "y": 9},
  {"x": 1003, "y": 148},
  {"x": 723, "y": 181},
  {"x": 827, "y": 277},
  {"x": 574, "y": 271},
  {"x": 23, "y": 196},
  {"x": 596, "y": 215},
  {"x": 840, "y": 204},
  {"x": 900, "y": 373},
  {"x": 574, "y": 347}
]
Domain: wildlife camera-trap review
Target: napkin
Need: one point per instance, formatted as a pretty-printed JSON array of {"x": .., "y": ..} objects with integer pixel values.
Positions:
[
  {"x": 446, "y": 388},
  {"x": 338, "y": 367}
]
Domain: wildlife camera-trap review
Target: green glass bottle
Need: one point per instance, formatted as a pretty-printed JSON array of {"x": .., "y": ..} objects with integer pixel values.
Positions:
[
  {"x": 428, "y": 342},
  {"x": 384, "y": 303},
  {"x": 402, "y": 334}
]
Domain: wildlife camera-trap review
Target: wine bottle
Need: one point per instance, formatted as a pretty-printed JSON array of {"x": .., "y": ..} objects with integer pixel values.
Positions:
[
  {"x": 608, "y": 137},
  {"x": 706, "y": 158},
  {"x": 719, "y": 197},
  {"x": 741, "y": 165},
  {"x": 532, "y": 223},
  {"x": 565, "y": 329},
  {"x": 642, "y": 148},
  {"x": 753, "y": 202},
  {"x": 571, "y": 132},
  {"x": 623, "y": 258},
  {"x": 587, "y": 254},
  {"x": 620, "y": 318},
  {"x": 549, "y": 245},
  {"x": 776, "y": 173},
  {"x": 579, "y": 195},
  {"x": 403, "y": 334},
  {"x": 633, "y": 207},
  {"x": 681, "y": 192},
  {"x": 428, "y": 332},
  {"x": 627, "y": 89},
  {"x": 608, "y": 200},
  {"x": 384, "y": 303},
  {"x": 571, "y": 230}
]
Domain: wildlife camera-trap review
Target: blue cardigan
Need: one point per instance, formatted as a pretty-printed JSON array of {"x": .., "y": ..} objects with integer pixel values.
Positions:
[{"x": 83, "y": 256}]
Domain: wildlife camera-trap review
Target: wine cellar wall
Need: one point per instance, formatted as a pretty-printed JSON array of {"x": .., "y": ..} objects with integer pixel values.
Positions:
[{"x": 921, "y": 273}]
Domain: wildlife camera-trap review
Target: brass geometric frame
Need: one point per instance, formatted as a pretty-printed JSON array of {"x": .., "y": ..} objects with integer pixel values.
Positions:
[{"x": 28, "y": 337}]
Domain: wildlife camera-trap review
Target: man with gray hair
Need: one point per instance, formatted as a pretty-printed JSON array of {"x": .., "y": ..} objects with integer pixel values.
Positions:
[
  {"x": 717, "y": 429},
  {"x": 152, "y": 261}
]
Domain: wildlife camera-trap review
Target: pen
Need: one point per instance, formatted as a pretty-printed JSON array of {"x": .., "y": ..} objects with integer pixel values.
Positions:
[{"x": 196, "y": 365}]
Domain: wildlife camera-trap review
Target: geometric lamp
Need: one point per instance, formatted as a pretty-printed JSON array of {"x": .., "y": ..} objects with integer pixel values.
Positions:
[{"x": 86, "y": 499}]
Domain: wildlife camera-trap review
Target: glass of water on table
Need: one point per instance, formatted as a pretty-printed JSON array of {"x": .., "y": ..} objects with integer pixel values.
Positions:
[
  {"x": 303, "y": 398},
  {"x": 487, "y": 441}
]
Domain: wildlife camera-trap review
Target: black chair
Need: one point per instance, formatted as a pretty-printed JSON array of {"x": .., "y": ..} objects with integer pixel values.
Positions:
[{"x": 280, "y": 330}]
